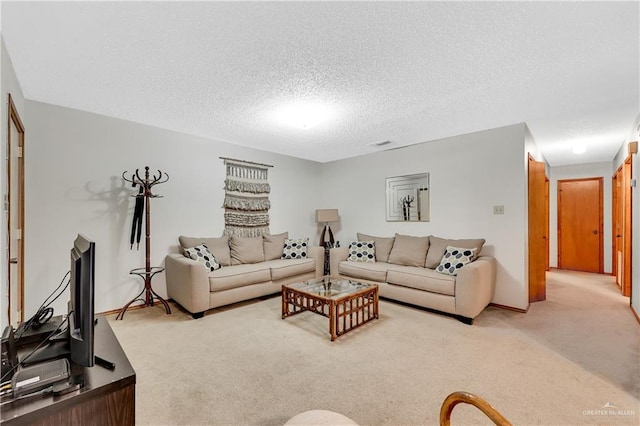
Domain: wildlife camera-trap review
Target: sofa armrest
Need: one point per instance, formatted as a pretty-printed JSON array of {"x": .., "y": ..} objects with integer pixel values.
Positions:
[
  {"x": 187, "y": 282},
  {"x": 317, "y": 253},
  {"x": 475, "y": 285},
  {"x": 337, "y": 255}
]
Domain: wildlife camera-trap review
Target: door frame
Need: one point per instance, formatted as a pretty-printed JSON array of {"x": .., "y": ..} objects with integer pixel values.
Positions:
[
  {"x": 628, "y": 224},
  {"x": 600, "y": 181},
  {"x": 546, "y": 222},
  {"x": 622, "y": 200},
  {"x": 616, "y": 194},
  {"x": 13, "y": 118}
]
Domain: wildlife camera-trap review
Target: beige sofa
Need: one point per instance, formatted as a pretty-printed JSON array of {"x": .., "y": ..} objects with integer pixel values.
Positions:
[
  {"x": 250, "y": 268},
  {"x": 405, "y": 269}
]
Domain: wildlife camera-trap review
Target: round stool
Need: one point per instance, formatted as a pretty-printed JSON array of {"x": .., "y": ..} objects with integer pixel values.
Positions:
[{"x": 320, "y": 418}]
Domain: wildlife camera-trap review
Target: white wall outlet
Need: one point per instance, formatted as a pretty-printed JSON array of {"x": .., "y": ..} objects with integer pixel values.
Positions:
[{"x": 498, "y": 209}]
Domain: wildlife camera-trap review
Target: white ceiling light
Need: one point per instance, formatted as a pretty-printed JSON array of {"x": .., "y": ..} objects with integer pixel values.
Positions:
[
  {"x": 303, "y": 115},
  {"x": 332, "y": 53},
  {"x": 579, "y": 148}
]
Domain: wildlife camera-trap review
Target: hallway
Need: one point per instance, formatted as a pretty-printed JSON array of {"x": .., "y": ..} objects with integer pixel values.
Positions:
[{"x": 586, "y": 320}]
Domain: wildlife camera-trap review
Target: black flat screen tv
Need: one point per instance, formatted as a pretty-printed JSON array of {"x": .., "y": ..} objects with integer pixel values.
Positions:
[
  {"x": 81, "y": 303},
  {"x": 77, "y": 341}
]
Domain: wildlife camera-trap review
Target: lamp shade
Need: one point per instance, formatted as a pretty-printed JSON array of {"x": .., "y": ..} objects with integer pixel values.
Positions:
[{"x": 327, "y": 215}]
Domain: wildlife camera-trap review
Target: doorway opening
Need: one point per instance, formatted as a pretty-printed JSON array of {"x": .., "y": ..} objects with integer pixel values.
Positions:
[{"x": 15, "y": 217}]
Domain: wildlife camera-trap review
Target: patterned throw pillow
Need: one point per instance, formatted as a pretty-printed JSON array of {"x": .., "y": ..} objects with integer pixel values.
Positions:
[
  {"x": 295, "y": 249},
  {"x": 455, "y": 258},
  {"x": 201, "y": 254},
  {"x": 362, "y": 251}
]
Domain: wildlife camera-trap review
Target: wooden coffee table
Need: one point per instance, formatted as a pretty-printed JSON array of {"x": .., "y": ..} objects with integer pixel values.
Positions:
[{"x": 347, "y": 303}]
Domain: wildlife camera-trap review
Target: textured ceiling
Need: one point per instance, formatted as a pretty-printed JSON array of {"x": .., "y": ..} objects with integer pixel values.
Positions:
[{"x": 408, "y": 72}]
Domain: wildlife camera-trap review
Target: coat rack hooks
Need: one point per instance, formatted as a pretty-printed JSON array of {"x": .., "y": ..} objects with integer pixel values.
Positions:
[
  {"x": 148, "y": 181},
  {"x": 142, "y": 203}
]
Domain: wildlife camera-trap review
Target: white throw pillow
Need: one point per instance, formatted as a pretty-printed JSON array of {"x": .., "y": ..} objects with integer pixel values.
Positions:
[
  {"x": 202, "y": 255},
  {"x": 455, "y": 258},
  {"x": 362, "y": 251}
]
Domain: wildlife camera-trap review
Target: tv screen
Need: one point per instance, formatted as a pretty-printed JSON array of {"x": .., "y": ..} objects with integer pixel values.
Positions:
[
  {"x": 81, "y": 303},
  {"x": 77, "y": 341}
]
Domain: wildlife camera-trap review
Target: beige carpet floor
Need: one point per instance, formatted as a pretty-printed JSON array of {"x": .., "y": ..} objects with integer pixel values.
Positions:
[{"x": 571, "y": 360}]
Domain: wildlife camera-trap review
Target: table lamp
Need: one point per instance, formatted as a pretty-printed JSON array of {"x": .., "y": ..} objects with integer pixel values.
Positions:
[{"x": 325, "y": 216}]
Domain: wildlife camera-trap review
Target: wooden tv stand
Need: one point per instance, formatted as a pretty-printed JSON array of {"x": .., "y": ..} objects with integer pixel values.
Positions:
[{"x": 107, "y": 397}]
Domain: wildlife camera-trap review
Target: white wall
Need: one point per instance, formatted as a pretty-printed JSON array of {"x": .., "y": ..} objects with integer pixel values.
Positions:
[
  {"x": 8, "y": 85},
  {"x": 74, "y": 161},
  {"x": 634, "y": 135},
  {"x": 468, "y": 175},
  {"x": 530, "y": 147},
  {"x": 75, "y": 158},
  {"x": 590, "y": 170}
]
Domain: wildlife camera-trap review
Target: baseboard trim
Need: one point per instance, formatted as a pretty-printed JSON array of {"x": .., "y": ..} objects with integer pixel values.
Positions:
[
  {"x": 509, "y": 308},
  {"x": 635, "y": 313},
  {"x": 130, "y": 308}
]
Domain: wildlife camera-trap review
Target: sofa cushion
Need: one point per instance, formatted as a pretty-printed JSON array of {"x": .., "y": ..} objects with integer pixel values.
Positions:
[
  {"x": 376, "y": 271},
  {"x": 219, "y": 247},
  {"x": 383, "y": 245},
  {"x": 455, "y": 258},
  {"x": 202, "y": 255},
  {"x": 422, "y": 279},
  {"x": 274, "y": 245},
  {"x": 285, "y": 268},
  {"x": 439, "y": 245},
  {"x": 239, "y": 276},
  {"x": 409, "y": 250},
  {"x": 295, "y": 248},
  {"x": 362, "y": 251},
  {"x": 246, "y": 250}
]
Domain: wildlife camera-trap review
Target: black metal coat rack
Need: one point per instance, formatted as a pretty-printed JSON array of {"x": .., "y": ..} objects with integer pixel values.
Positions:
[{"x": 148, "y": 272}]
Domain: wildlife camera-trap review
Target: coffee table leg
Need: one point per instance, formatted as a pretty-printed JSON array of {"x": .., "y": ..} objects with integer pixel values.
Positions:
[
  {"x": 375, "y": 303},
  {"x": 285, "y": 304},
  {"x": 332, "y": 320}
]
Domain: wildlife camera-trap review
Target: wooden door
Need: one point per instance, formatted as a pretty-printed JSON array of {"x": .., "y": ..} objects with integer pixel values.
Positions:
[
  {"x": 580, "y": 242},
  {"x": 546, "y": 223},
  {"x": 617, "y": 226},
  {"x": 621, "y": 241},
  {"x": 15, "y": 221},
  {"x": 536, "y": 210},
  {"x": 626, "y": 230}
]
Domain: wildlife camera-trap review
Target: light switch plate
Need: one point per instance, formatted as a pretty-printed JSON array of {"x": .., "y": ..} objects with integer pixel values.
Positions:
[{"x": 498, "y": 209}]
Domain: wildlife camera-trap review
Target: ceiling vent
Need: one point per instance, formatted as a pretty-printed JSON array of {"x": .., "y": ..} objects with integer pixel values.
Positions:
[{"x": 383, "y": 143}]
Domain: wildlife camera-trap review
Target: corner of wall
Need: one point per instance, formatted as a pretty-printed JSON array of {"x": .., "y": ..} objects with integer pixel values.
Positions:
[
  {"x": 634, "y": 135},
  {"x": 531, "y": 147}
]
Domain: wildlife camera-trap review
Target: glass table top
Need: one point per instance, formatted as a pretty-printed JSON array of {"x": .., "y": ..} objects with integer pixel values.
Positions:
[{"x": 331, "y": 288}]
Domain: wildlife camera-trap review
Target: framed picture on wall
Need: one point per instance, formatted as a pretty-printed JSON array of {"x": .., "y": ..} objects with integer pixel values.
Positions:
[{"x": 407, "y": 198}]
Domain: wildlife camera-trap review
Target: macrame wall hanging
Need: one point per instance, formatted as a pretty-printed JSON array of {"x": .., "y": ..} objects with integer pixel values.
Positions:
[{"x": 246, "y": 201}]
